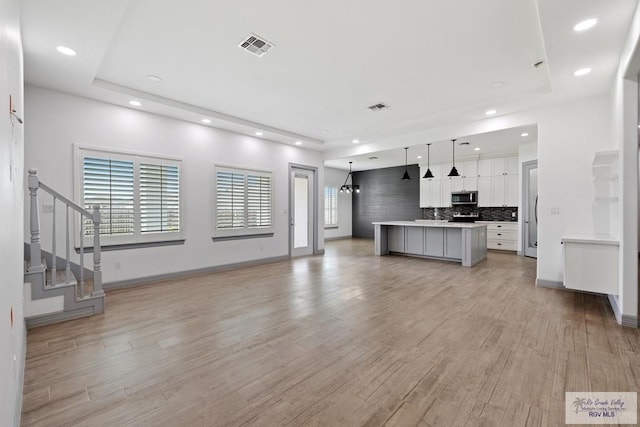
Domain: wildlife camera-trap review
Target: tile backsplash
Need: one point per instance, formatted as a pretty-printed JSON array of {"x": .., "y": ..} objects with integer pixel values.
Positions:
[{"x": 485, "y": 214}]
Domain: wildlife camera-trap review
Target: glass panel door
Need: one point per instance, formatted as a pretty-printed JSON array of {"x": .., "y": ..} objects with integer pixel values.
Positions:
[
  {"x": 531, "y": 209},
  {"x": 302, "y": 215}
]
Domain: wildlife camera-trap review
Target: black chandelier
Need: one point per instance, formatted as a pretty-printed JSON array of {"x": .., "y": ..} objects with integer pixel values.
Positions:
[{"x": 349, "y": 188}]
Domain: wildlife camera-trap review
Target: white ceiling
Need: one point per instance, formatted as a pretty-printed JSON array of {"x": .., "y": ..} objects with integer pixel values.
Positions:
[{"x": 432, "y": 62}]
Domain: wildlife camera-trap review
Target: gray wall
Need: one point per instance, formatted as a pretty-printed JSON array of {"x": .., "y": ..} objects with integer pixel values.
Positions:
[
  {"x": 384, "y": 196},
  {"x": 335, "y": 178}
]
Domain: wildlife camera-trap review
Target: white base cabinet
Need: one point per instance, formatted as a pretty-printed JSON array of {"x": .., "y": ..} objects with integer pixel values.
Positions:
[
  {"x": 501, "y": 235},
  {"x": 591, "y": 264}
]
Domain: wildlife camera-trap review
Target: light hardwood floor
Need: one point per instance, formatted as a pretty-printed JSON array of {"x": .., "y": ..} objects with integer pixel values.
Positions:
[{"x": 341, "y": 339}]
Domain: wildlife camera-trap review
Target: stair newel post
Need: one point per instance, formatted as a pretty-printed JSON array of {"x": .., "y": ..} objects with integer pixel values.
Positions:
[
  {"x": 97, "y": 266},
  {"x": 36, "y": 253},
  {"x": 67, "y": 267},
  {"x": 81, "y": 255},
  {"x": 54, "y": 258}
]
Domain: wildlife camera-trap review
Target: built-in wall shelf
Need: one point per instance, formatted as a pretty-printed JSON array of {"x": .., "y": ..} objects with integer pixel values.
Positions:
[
  {"x": 605, "y": 175},
  {"x": 606, "y": 185},
  {"x": 605, "y": 199},
  {"x": 605, "y": 158}
]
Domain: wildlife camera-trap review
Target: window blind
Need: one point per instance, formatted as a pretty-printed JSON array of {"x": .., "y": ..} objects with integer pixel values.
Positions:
[
  {"x": 330, "y": 205},
  {"x": 230, "y": 200},
  {"x": 109, "y": 183},
  {"x": 159, "y": 198},
  {"x": 139, "y": 196},
  {"x": 243, "y": 202},
  {"x": 258, "y": 201}
]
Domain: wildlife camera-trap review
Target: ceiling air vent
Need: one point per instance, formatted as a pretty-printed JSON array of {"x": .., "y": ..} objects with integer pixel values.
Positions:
[
  {"x": 379, "y": 107},
  {"x": 255, "y": 45}
]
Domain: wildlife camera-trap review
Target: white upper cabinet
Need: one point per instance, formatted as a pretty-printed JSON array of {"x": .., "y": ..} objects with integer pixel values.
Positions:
[
  {"x": 485, "y": 167},
  {"x": 470, "y": 169},
  {"x": 511, "y": 190},
  {"x": 445, "y": 196},
  {"x": 485, "y": 198},
  {"x": 495, "y": 180},
  {"x": 513, "y": 166},
  {"x": 498, "y": 166}
]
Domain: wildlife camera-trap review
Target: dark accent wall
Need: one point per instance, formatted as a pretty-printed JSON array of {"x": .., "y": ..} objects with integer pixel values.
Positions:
[{"x": 384, "y": 196}]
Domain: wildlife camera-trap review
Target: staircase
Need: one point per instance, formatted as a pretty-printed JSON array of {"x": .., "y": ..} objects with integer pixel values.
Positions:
[{"x": 50, "y": 276}]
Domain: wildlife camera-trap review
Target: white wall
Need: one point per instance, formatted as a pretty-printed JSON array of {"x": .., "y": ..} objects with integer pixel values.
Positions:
[
  {"x": 12, "y": 337},
  {"x": 624, "y": 114},
  {"x": 335, "y": 178},
  {"x": 526, "y": 153},
  {"x": 60, "y": 120},
  {"x": 568, "y": 137}
]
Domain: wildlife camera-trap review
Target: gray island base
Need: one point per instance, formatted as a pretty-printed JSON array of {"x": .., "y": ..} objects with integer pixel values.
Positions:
[{"x": 465, "y": 242}]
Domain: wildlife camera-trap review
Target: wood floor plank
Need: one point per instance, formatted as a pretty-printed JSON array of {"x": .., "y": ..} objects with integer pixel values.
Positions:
[{"x": 347, "y": 338}]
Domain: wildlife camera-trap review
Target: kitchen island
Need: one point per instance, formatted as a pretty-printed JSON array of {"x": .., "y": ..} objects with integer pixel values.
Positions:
[{"x": 451, "y": 241}]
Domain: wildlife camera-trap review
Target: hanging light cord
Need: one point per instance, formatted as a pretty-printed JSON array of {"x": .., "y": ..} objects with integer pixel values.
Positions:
[
  {"x": 453, "y": 150},
  {"x": 406, "y": 149},
  {"x": 347, "y": 178}
]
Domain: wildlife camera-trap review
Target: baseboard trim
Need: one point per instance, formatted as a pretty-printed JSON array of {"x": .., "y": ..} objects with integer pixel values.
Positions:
[
  {"x": 185, "y": 273},
  {"x": 330, "y": 239},
  {"x": 58, "y": 316},
  {"x": 630, "y": 321},
  {"x": 23, "y": 361},
  {"x": 552, "y": 284},
  {"x": 318, "y": 252}
]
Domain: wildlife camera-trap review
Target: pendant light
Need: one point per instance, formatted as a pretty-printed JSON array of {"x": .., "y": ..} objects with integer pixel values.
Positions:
[
  {"x": 454, "y": 171},
  {"x": 349, "y": 188},
  {"x": 406, "y": 176},
  {"x": 428, "y": 174}
]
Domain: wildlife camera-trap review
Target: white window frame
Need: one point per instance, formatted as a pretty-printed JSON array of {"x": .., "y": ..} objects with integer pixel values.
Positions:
[
  {"x": 245, "y": 230},
  {"x": 334, "y": 207},
  {"x": 81, "y": 151}
]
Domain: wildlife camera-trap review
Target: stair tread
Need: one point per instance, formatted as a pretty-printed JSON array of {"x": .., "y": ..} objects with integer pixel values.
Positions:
[{"x": 61, "y": 278}]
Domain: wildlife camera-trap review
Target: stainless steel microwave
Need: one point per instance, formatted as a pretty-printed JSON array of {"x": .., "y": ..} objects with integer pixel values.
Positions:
[{"x": 464, "y": 198}]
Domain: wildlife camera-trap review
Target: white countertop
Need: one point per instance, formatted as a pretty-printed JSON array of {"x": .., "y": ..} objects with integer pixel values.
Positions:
[
  {"x": 596, "y": 239},
  {"x": 496, "y": 222},
  {"x": 431, "y": 223}
]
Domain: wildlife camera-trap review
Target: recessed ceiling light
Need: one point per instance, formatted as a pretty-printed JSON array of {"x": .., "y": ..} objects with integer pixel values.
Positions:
[
  {"x": 490, "y": 112},
  {"x": 477, "y": 149},
  {"x": 258, "y": 133},
  {"x": 582, "y": 72},
  {"x": 135, "y": 103},
  {"x": 524, "y": 134},
  {"x": 154, "y": 78},
  {"x": 66, "y": 50},
  {"x": 355, "y": 141},
  {"x": 419, "y": 157},
  {"x": 206, "y": 120},
  {"x": 298, "y": 142},
  {"x": 585, "y": 25},
  {"x": 497, "y": 84}
]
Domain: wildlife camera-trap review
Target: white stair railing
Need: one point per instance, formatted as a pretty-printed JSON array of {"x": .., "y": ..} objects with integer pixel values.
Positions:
[{"x": 34, "y": 184}]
